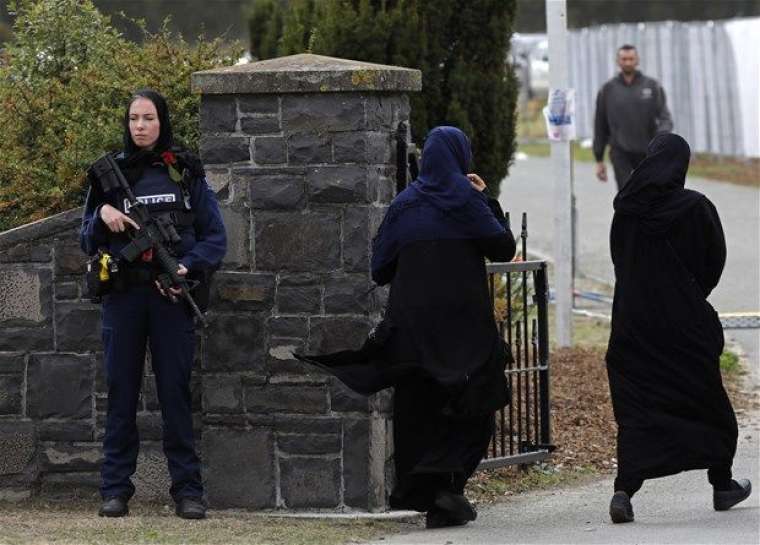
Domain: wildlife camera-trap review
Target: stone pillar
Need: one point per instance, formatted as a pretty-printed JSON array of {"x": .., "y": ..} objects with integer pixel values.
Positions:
[{"x": 301, "y": 152}]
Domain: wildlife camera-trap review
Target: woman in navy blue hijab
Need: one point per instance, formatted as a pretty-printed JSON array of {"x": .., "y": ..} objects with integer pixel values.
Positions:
[{"x": 438, "y": 343}]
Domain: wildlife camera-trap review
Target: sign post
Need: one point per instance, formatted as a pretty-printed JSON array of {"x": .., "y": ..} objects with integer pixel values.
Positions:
[{"x": 560, "y": 117}]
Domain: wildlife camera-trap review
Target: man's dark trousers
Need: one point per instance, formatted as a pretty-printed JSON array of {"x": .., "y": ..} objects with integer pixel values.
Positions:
[
  {"x": 130, "y": 319},
  {"x": 623, "y": 162}
]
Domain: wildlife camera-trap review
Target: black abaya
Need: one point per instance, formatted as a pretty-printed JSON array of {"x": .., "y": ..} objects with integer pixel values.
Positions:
[{"x": 672, "y": 411}]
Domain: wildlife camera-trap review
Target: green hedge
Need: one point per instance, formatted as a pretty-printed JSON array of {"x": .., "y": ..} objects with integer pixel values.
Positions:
[
  {"x": 461, "y": 47},
  {"x": 65, "y": 78}
]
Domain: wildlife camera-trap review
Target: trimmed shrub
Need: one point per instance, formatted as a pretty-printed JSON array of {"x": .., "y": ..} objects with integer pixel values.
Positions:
[{"x": 65, "y": 78}]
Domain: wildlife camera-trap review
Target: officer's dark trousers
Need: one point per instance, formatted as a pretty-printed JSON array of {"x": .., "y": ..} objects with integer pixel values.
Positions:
[
  {"x": 623, "y": 163},
  {"x": 132, "y": 320}
]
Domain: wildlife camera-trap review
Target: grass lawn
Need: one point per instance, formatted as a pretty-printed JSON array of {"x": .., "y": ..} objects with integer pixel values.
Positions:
[
  {"x": 532, "y": 141},
  {"x": 39, "y": 522}
]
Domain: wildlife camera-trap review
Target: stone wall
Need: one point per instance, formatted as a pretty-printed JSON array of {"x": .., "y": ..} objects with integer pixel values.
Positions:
[{"x": 300, "y": 151}]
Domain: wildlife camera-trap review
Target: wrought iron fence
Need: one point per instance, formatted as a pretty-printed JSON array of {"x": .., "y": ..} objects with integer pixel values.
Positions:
[{"x": 519, "y": 294}]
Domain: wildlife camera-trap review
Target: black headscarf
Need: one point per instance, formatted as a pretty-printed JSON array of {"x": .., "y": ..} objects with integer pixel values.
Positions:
[
  {"x": 655, "y": 192},
  {"x": 165, "y": 137}
]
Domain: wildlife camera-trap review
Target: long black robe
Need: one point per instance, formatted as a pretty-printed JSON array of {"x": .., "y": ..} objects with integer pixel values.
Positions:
[
  {"x": 442, "y": 352},
  {"x": 672, "y": 411}
]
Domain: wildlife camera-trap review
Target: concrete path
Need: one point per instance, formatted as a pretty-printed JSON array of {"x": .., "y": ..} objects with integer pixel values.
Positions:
[{"x": 676, "y": 509}]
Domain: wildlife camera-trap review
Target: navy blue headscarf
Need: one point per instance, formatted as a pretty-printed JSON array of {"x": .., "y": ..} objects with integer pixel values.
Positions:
[{"x": 440, "y": 204}]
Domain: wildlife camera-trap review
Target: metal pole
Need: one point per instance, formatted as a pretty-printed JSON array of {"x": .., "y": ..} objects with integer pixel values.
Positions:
[{"x": 562, "y": 170}]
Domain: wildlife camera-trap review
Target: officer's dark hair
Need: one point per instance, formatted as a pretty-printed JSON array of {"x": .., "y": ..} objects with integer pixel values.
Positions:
[
  {"x": 626, "y": 47},
  {"x": 165, "y": 137}
]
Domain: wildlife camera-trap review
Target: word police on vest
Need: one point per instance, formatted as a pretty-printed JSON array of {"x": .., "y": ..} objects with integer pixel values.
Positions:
[{"x": 152, "y": 199}]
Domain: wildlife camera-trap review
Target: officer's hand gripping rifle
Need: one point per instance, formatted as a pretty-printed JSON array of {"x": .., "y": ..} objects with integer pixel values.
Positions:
[{"x": 153, "y": 234}]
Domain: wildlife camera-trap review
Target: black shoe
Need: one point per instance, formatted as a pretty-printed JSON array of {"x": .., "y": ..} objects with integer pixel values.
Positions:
[
  {"x": 438, "y": 518},
  {"x": 723, "y": 500},
  {"x": 621, "y": 509},
  {"x": 114, "y": 506},
  {"x": 191, "y": 508},
  {"x": 455, "y": 506}
]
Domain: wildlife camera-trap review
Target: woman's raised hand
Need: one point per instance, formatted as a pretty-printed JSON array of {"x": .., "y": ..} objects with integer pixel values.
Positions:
[
  {"x": 476, "y": 182},
  {"x": 115, "y": 220}
]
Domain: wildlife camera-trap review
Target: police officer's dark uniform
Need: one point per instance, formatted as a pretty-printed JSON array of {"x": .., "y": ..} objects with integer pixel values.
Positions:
[{"x": 136, "y": 315}]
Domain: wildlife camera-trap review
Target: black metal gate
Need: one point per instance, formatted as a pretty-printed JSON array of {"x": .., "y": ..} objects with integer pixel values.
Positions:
[{"x": 520, "y": 298}]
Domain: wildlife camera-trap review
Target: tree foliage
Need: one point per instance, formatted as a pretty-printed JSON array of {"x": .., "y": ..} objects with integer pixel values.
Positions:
[
  {"x": 65, "y": 78},
  {"x": 461, "y": 47}
]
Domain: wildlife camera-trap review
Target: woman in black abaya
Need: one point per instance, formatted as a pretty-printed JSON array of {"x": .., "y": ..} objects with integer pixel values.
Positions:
[
  {"x": 438, "y": 344},
  {"x": 672, "y": 411}
]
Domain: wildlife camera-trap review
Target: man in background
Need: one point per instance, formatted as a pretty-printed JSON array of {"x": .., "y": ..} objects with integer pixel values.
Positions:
[{"x": 630, "y": 111}]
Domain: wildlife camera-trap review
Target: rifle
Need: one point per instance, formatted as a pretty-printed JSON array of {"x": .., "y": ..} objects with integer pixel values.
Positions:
[{"x": 153, "y": 233}]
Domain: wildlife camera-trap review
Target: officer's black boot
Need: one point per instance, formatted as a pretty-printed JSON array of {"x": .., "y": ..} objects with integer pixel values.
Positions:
[
  {"x": 115, "y": 506},
  {"x": 191, "y": 508},
  {"x": 621, "y": 509}
]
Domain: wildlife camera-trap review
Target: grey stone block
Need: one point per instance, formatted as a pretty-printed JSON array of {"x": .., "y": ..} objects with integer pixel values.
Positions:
[
  {"x": 328, "y": 112},
  {"x": 71, "y": 486},
  {"x": 32, "y": 339},
  {"x": 258, "y": 104},
  {"x": 303, "y": 299},
  {"x": 242, "y": 291},
  {"x": 363, "y": 147},
  {"x": 277, "y": 191},
  {"x": 70, "y": 430},
  {"x": 237, "y": 222},
  {"x": 309, "y": 148},
  {"x": 331, "y": 334},
  {"x": 382, "y": 184},
  {"x": 356, "y": 462},
  {"x": 66, "y": 291},
  {"x": 344, "y": 400},
  {"x": 25, "y": 297},
  {"x": 78, "y": 327},
  {"x": 310, "y": 482},
  {"x": 283, "y": 398},
  {"x": 37, "y": 251},
  {"x": 68, "y": 457},
  {"x": 12, "y": 362},
  {"x": 307, "y": 424},
  {"x": 239, "y": 468},
  {"x": 281, "y": 361},
  {"x": 297, "y": 242},
  {"x": 347, "y": 294},
  {"x": 218, "y": 113},
  {"x": 279, "y": 326},
  {"x": 385, "y": 112},
  {"x": 18, "y": 447},
  {"x": 10, "y": 394},
  {"x": 59, "y": 386},
  {"x": 337, "y": 184},
  {"x": 69, "y": 258},
  {"x": 225, "y": 149},
  {"x": 222, "y": 394},
  {"x": 260, "y": 125},
  {"x": 218, "y": 179},
  {"x": 150, "y": 426},
  {"x": 236, "y": 342},
  {"x": 269, "y": 150},
  {"x": 309, "y": 444},
  {"x": 356, "y": 239}
]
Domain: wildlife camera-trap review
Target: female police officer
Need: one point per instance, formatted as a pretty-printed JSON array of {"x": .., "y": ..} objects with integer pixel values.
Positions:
[{"x": 137, "y": 313}]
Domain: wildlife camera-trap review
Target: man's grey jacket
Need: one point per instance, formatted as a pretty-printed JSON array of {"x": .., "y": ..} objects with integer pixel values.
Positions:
[{"x": 628, "y": 116}]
